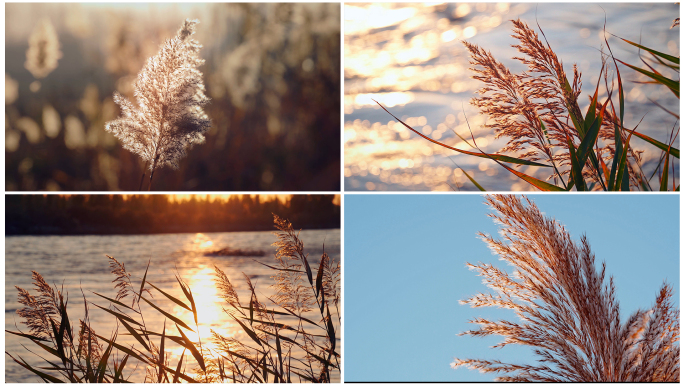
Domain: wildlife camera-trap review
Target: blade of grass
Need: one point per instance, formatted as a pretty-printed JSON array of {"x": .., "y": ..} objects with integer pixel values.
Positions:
[
  {"x": 118, "y": 374},
  {"x": 45, "y": 377},
  {"x": 161, "y": 354},
  {"x": 622, "y": 173},
  {"x": 167, "y": 315},
  {"x": 102, "y": 366},
  {"x": 665, "y": 56},
  {"x": 673, "y": 151},
  {"x": 193, "y": 350},
  {"x": 502, "y": 158},
  {"x": 669, "y": 83},
  {"x": 126, "y": 350},
  {"x": 119, "y": 315},
  {"x": 142, "y": 284},
  {"x": 172, "y": 298},
  {"x": 663, "y": 178},
  {"x": 115, "y": 301},
  {"x": 180, "y": 363},
  {"x": 249, "y": 332},
  {"x": 188, "y": 295},
  {"x": 576, "y": 169},
  {"x": 319, "y": 277},
  {"x": 135, "y": 334}
]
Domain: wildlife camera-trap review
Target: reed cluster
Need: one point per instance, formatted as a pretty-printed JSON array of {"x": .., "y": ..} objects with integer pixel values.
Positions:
[
  {"x": 538, "y": 112},
  {"x": 291, "y": 336},
  {"x": 567, "y": 312}
]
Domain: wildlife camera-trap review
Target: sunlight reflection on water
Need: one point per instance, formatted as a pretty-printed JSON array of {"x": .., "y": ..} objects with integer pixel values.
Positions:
[
  {"x": 409, "y": 57},
  {"x": 78, "y": 262}
]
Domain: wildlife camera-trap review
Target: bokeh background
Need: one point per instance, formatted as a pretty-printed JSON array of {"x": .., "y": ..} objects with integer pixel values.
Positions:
[
  {"x": 410, "y": 58},
  {"x": 272, "y": 72}
]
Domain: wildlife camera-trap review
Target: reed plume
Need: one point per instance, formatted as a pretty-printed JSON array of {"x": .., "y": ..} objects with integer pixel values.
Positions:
[
  {"x": 300, "y": 353},
  {"x": 38, "y": 309},
  {"x": 169, "y": 117},
  {"x": 291, "y": 293},
  {"x": 535, "y": 109},
  {"x": 43, "y": 52},
  {"x": 568, "y": 312}
]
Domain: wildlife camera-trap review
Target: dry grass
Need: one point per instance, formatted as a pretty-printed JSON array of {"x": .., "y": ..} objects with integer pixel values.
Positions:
[{"x": 568, "y": 313}]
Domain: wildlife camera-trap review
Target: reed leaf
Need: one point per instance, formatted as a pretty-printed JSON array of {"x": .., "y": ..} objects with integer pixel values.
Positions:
[
  {"x": 502, "y": 158},
  {"x": 119, "y": 315},
  {"x": 167, "y": 315},
  {"x": 172, "y": 298},
  {"x": 44, "y": 376},
  {"x": 135, "y": 334},
  {"x": 663, "y": 178},
  {"x": 142, "y": 284},
  {"x": 669, "y": 83},
  {"x": 665, "y": 56},
  {"x": 193, "y": 350},
  {"x": 116, "y": 302}
]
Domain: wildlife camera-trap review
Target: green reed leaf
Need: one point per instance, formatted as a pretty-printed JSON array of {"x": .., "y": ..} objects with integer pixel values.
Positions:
[
  {"x": 665, "y": 56},
  {"x": 622, "y": 179},
  {"x": 673, "y": 151},
  {"x": 663, "y": 178},
  {"x": 502, "y": 158},
  {"x": 669, "y": 83}
]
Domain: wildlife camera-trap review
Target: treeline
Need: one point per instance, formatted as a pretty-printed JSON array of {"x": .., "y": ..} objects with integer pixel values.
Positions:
[{"x": 154, "y": 214}]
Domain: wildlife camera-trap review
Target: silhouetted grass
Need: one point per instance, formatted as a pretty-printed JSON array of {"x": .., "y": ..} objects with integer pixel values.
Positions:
[{"x": 292, "y": 336}]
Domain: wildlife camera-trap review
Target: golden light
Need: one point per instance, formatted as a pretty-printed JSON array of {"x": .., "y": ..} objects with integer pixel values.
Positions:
[
  {"x": 201, "y": 242},
  {"x": 210, "y": 315}
]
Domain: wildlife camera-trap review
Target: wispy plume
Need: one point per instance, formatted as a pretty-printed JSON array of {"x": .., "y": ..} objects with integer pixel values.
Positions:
[
  {"x": 568, "y": 313},
  {"x": 43, "y": 52},
  {"x": 168, "y": 118}
]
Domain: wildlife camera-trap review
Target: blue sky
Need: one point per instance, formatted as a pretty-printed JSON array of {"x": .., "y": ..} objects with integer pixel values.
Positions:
[{"x": 404, "y": 273}]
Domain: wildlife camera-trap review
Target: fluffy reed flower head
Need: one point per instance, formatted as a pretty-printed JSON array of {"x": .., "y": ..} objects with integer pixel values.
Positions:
[
  {"x": 170, "y": 93},
  {"x": 43, "y": 52},
  {"x": 567, "y": 312},
  {"x": 519, "y": 103}
]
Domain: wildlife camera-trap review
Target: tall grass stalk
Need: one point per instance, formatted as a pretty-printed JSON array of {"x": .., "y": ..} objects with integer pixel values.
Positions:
[
  {"x": 291, "y": 335},
  {"x": 567, "y": 312},
  {"x": 538, "y": 112}
]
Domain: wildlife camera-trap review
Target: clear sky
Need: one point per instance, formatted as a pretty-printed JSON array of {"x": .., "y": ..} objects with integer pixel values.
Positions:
[{"x": 404, "y": 272}]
